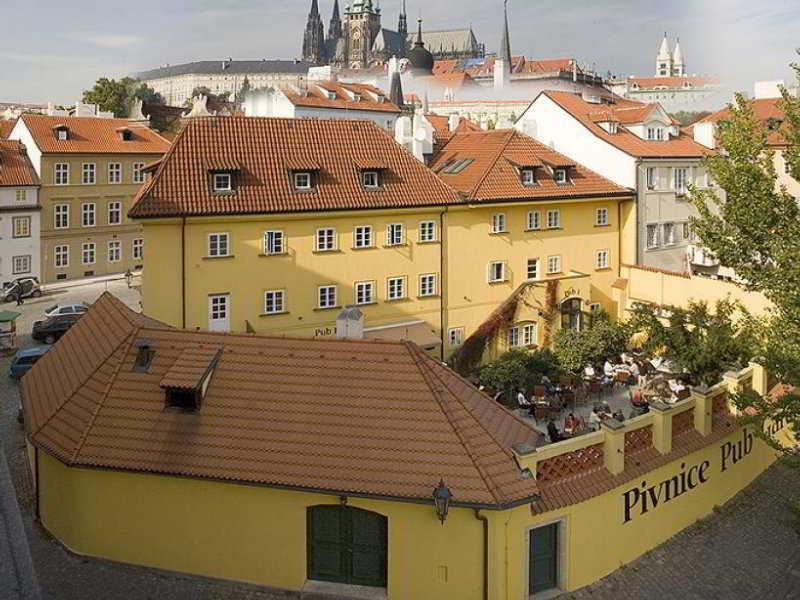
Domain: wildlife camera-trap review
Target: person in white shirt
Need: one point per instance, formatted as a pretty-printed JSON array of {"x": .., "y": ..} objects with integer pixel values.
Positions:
[
  {"x": 608, "y": 369},
  {"x": 588, "y": 372},
  {"x": 594, "y": 420},
  {"x": 522, "y": 400}
]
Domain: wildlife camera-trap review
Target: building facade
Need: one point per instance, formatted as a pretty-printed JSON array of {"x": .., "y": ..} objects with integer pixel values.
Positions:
[
  {"x": 90, "y": 170},
  {"x": 20, "y": 225},
  {"x": 635, "y": 145}
]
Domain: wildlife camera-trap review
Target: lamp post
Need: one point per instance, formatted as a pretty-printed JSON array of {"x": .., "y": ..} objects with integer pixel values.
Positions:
[{"x": 441, "y": 500}]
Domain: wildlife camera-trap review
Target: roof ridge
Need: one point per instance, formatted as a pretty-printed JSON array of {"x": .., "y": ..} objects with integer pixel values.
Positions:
[
  {"x": 427, "y": 374},
  {"x": 111, "y": 381},
  {"x": 474, "y": 191}
]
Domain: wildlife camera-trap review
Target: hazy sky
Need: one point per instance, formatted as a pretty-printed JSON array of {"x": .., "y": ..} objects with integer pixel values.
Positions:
[{"x": 52, "y": 50}]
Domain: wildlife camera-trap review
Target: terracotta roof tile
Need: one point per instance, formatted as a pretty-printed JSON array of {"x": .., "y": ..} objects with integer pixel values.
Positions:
[
  {"x": 15, "y": 166},
  {"x": 765, "y": 109},
  {"x": 6, "y": 125},
  {"x": 672, "y": 82},
  {"x": 493, "y": 173},
  {"x": 587, "y": 114},
  {"x": 88, "y": 135},
  {"x": 370, "y": 98},
  {"x": 267, "y": 150},
  {"x": 348, "y": 417}
]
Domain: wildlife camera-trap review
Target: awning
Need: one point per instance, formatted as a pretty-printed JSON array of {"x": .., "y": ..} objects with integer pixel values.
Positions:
[{"x": 418, "y": 332}]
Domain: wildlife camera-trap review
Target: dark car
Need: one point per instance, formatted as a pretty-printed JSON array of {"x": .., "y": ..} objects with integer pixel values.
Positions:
[
  {"x": 25, "y": 359},
  {"x": 49, "y": 330},
  {"x": 24, "y": 287}
]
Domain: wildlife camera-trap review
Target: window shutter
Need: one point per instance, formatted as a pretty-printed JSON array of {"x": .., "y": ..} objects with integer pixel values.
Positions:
[{"x": 327, "y": 551}]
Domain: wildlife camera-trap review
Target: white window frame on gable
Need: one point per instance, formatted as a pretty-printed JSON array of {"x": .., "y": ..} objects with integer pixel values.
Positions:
[
  {"x": 325, "y": 240},
  {"x": 370, "y": 180},
  {"x": 534, "y": 220},
  {"x": 114, "y": 173},
  {"x": 497, "y": 271},
  {"x": 274, "y": 302},
  {"x": 274, "y": 243},
  {"x": 61, "y": 174},
  {"x": 222, "y": 183},
  {"x": 303, "y": 181},
  {"x": 427, "y": 232},
  {"x": 499, "y": 223},
  {"x": 362, "y": 237},
  {"x": 62, "y": 135},
  {"x": 395, "y": 234},
  {"x": 88, "y": 174},
  {"x": 528, "y": 177},
  {"x": 219, "y": 245},
  {"x": 601, "y": 217},
  {"x": 561, "y": 175},
  {"x": 554, "y": 264},
  {"x": 554, "y": 218}
]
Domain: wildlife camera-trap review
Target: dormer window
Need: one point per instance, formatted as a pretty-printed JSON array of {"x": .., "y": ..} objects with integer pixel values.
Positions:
[
  {"x": 185, "y": 384},
  {"x": 356, "y": 97},
  {"x": 302, "y": 180},
  {"x": 61, "y": 132},
  {"x": 370, "y": 179},
  {"x": 528, "y": 176},
  {"x": 560, "y": 175},
  {"x": 613, "y": 127},
  {"x": 331, "y": 95},
  {"x": 222, "y": 183}
]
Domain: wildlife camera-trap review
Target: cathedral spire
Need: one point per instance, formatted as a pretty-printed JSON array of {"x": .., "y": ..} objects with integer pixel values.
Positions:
[
  {"x": 314, "y": 36},
  {"x": 335, "y": 28},
  {"x": 505, "y": 42},
  {"x": 402, "y": 23}
]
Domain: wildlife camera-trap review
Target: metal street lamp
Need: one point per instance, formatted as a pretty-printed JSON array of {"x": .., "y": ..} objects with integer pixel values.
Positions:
[{"x": 441, "y": 499}]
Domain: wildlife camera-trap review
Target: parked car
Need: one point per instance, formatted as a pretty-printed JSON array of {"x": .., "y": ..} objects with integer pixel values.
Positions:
[
  {"x": 25, "y": 359},
  {"x": 24, "y": 287},
  {"x": 52, "y": 328},
  {"x": 66, "y": 309}
]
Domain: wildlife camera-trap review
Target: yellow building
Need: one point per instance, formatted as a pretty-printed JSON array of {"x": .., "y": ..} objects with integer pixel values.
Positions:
[
  {"x": 319, "y": 465},
  {"x": 90, "y": 169},
  {"x": 278, "y": 236}
]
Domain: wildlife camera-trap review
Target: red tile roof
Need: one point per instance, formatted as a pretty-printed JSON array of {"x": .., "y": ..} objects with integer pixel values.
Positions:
[
  {"x": 15, "y": 166},
  {"x": 345, "y": 417},
  {"x": 441, "y": 128},
  {"x": 765, "y": 109},
  {"x": 6, "y": 125},
  {"x": 485, "y": 68},
  {"x": 371, "y": 98},
  {"x": 494, "y": 173},
  {"x": 89, "y": 135},
  {"x": 267, "y": 150},
  {"x": 587, "y": 113},
  {"x": 671, "y": 82}
]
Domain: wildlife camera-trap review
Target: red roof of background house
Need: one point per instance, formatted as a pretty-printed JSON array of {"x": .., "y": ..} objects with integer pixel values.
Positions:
[
  {"x": 485, "y": 68},
  {"x": 340, "y": 416},
  {"x": 588, "y": 113},
  {"x": 90, "y": 135},
  {"x": 266, "y": 150},
  {"x": 371, "y": 98},
  {"x": 15, "y": 166},
  {"x": 494, "y": 173},
  {"x": 764, "y": 110},
  {"x": 6, "y": 125},
  {"x": 671, "y": 82}
]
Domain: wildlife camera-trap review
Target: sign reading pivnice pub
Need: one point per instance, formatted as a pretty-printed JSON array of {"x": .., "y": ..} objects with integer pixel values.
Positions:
[{"x": 642, "y": 499}]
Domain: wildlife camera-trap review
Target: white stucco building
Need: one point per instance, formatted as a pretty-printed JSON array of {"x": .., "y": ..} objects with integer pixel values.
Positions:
[
  {"x": 635, "y": 145},
  {"x": 325, "y": 100},
  {"x": 20, "y": 224}
]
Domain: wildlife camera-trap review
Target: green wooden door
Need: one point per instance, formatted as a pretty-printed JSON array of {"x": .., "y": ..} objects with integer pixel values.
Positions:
[
  {"x": 347, "y": 545},
  {"x": 543, "y": 568}
]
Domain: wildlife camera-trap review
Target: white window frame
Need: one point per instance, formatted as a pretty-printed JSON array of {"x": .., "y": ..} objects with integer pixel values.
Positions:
[
  {"x": 114, "y": 253},
  {"x": 687, "y": 231},
  {"x": 668, "y": 233},
  {"x": 325, "y": 240},
  {"x": 395, "y": 234},
  {"x": 554, "y": 218},
  {"x": 602, "y": 259},
  {"x": 61, "y": 256},
  {"x": 302, "y": 180},
  {"x": 137, "y": 172},
  {"x": 554, "y": 265},
  {"x": 21, "y": 264},
  {"x": 327, "y": 296},
  {"x": 88, "y": 249},
  {"x": 88, "y": 214},
  {"x": 428, "y": 232},
  {"x": 370, "y": 180},
  {"x": 115, "y": 208},
  {"x": 656, "y": 241},
  {"x": 364, "y": 292},
  {"x": 496, "y": 275},
  {"x": 21, "y": 195},
  {"x": 137, "y": 249},
  {"x": 428, "y": 285},
  {"x": 61, "y": 212},
  {"x": 61, "y": 174},
  {"x": 529, "y": 335},
  {"x": 89, "y": 174},
  {"x": 274, "y": 242},
  {"x": 499, "y": 223},
  {"x": 651, "y": 178},
  {"x": 114, "y": 173},
  {"x": 277, "y": 299},
  {"x": 601, "y": 217},
  {"x": 455, "y": 337},
  {"x": 513, "y": 337},
  {"x": 528, "y": 177},
  {"x": 534, "y": 220},
  {"x": 20, "y": 227},
  {"x": 561, "y": 175},
  {"x": 222, "y": 183},
  {"x": 396, "y": 288},
  {"x": 363, "y": 237},
  {"x": 680, "y": 184},
  {"x": 532, "y": 262},
  {"x": 216, "y": 242}
]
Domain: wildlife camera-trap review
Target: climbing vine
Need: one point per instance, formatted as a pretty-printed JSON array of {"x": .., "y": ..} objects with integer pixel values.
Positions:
[{"x": 550, "y": 312}]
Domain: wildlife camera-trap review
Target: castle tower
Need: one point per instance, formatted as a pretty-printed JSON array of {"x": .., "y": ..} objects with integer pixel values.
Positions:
[
  {"x": 664, "y": 59},
  {"x": 362, "y": 24},
  {"x": 335, "y": 28},
  {"x": 678, "y": 64},
  {"x": 502, "y": 63},
  {"x": 314, "y": 37}
]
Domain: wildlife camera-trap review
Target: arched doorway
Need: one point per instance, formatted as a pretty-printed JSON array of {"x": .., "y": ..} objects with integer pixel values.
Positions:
[
  {"x": 347, "y": 545},
  {"x": 571, "y": 314}
]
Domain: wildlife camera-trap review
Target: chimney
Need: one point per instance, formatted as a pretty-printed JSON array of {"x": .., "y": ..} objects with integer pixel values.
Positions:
[
  {"x": 452, "y": 122},
  {"x": 705, "y": 133},
  {"x": 350, "y": 324}
]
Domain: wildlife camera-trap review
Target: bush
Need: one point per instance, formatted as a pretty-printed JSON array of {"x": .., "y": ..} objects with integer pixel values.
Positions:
[
  {"x": 601, "y": 339},
  {"x": 519, "y": 369}
]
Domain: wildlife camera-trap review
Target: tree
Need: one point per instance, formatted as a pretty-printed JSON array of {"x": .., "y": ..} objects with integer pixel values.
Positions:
[
  {"x": 702, "y": 342},
  {"x": 754, "y": 227},
  {"x": 519, "y": 369},
  {"x": 602, "y": 338},
  {"x": 116, "y": 96},
  {"x": 687, "y": 117}
]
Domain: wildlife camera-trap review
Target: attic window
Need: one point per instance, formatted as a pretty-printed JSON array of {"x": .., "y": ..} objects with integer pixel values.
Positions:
[
  {"x": 62, "y": 132},
  {"x": 303, "y": 180},
  {"x": 331, "y": 95},
  {"x": 370, "y": 179},
  {"x": 612, "y": 127},
  {"x": 222, "y": 182},
  {"x": 144, "y": 357},
  {"x": 458, "y": 166},
  {"x": 528, "y": 176},
  {"x": 356, "y": 97},
  {"x": 125, "y": 134},
  {"x": 180, "y": 399},
  {"x": 560, "y": 175}
]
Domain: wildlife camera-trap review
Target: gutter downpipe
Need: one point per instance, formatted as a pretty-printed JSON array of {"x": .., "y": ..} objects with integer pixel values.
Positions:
[
  {"x": 36, "y": 481},
  {"x": 485, "y": 521},
  {"x": 443, "y": 282},
  {"x": 638, "y": 212},
  {"x": 183, "y": 273}
]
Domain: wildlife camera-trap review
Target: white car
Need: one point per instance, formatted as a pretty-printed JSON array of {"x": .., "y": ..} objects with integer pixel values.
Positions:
[{"x": 66, "y": 309}]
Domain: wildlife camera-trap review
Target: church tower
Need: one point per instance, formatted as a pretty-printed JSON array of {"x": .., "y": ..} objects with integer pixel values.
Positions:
[
  {"x": 314, "y": 37},
  {"x": 664, "y": 59},
  {"x": 362, "y": 24},
  {"x": 402, "y": 24},
  {"x": 502, "y": 62},
  {"x": 335, "y": 28},
  {"x": 678, "y": 64}
]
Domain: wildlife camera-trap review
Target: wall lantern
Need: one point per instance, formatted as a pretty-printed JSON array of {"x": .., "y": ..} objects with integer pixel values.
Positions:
[{"x": 441, "y": 499}]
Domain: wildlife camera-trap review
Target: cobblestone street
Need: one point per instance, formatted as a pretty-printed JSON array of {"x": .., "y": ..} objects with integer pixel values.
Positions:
[{"x": 747, "y": 550}]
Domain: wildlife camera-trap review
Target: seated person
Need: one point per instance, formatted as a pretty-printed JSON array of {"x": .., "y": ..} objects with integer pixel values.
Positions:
[
  {"x": 588, "y": 372},
  {"x": 570, "y": 424},
  {"x": 553, "y": 432},
  {"x": 636, "y": 397},
  {"x": 633, "y": 368},
  {"x": 594, "y": 420},
  {"x": 608, "y": 369},
  {"x": 522, "y": 400}
]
